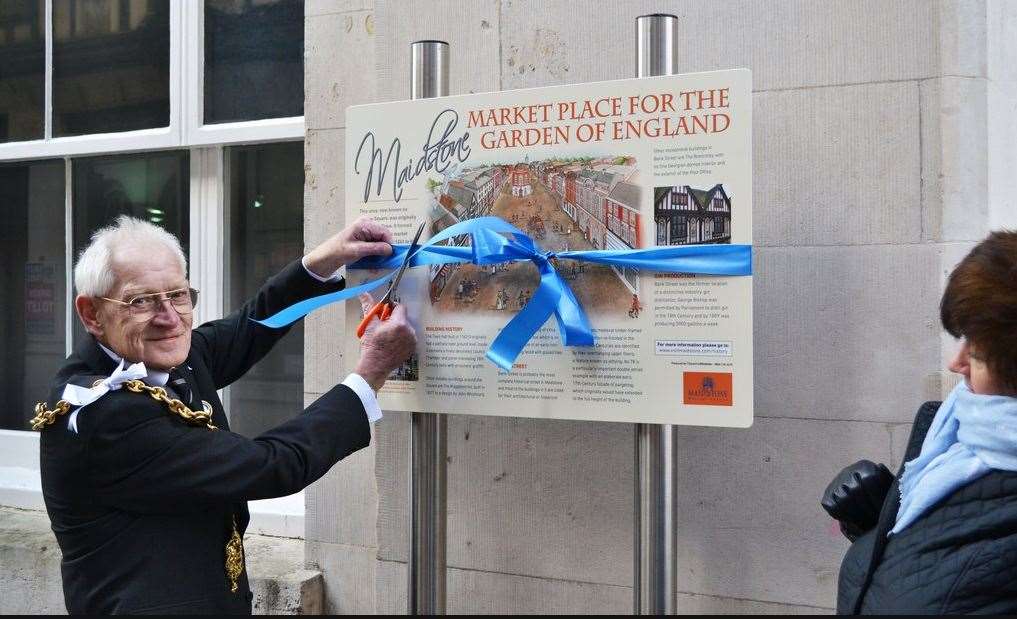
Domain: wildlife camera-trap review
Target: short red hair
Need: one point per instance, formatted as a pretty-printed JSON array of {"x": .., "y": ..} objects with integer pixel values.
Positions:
[{"x": 980, "y": 304}]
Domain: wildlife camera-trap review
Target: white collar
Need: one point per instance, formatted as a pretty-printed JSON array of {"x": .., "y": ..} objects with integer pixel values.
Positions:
[{"x": 156, "y": 378}]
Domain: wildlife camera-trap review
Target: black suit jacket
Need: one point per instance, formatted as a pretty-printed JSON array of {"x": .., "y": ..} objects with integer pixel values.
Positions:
[{"x": 142, "y": 504}]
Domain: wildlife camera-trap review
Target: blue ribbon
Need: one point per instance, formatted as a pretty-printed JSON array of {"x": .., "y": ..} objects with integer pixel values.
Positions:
[{"x": 494, "y": 240}]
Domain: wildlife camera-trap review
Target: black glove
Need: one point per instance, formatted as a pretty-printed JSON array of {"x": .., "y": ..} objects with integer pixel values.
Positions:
[{"x": 855, "y": 497}]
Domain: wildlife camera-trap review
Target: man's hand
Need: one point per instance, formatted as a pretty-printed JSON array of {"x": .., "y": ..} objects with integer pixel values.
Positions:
[
  {"x": 855, "y": 497},
  {"x": 385, "y": 345},
  {"x": 361, "y": 238}
]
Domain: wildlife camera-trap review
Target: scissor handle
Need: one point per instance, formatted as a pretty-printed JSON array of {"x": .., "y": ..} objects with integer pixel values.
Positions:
[{"x": 381, "y": 309}]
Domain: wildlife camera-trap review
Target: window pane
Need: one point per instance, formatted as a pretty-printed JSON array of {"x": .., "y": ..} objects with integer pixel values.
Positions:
[
  {"x": 254, "y": 59},
  {"x": 266, "y": 233},
  {"x": 32, "y": 286},
  {"x": 22, "y": 70},
  {"x": 110, "y": 65},
  {"x": 153, "y": 186}
]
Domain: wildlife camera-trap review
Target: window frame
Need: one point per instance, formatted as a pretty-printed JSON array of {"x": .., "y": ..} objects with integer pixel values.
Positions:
[
  {"x": 100, "y": 143},
  {"x": 195, "y": 131},
  {"x": 209, "y": 223},
  {"x": 186, "y": 129}
]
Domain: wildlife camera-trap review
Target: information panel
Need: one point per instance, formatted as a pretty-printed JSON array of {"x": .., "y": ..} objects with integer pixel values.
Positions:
[{"x": 622, "y": 165}]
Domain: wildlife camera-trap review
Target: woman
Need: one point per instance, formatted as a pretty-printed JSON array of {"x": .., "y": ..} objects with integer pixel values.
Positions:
[{"x": 942, "y": 536}]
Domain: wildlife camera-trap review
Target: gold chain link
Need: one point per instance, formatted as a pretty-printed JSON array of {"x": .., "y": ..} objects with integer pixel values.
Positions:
[
  {"x": 176, "y": 407},
  {"x": 45, "y": 418},
  {"x": 234, "y": 558}
]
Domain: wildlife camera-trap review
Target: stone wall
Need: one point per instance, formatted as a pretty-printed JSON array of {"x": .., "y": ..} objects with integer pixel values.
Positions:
[{"x": 883, "y": 149}]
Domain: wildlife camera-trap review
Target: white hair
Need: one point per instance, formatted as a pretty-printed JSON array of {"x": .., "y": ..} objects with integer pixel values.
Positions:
[{"x": 93, "y": 274}]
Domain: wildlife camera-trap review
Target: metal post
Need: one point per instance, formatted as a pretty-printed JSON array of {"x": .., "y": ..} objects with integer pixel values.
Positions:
[
  {"x": 655, "y": 578},
  {"x": 429, "y": 431}
]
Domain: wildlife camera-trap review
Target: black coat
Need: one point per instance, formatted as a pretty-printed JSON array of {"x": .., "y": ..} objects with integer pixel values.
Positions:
[
  {"x": 142, "y": 504},
  {"x": 960, "y": 557}
]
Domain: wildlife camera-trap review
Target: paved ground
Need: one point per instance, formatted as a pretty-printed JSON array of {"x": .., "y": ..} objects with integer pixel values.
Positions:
[{"x": 598, "y": 288}]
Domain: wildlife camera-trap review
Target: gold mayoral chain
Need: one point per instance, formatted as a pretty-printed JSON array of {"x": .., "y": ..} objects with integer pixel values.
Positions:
[
  {"x": 44, "y": 417},
  {"x": 235, "y": 546}
]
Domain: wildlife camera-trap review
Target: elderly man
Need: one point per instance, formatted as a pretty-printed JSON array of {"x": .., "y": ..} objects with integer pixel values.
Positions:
[{"x": 145, "y": 485}]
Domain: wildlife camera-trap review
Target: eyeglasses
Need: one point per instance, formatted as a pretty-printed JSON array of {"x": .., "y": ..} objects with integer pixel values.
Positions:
[{"x": 144, "y": 306}]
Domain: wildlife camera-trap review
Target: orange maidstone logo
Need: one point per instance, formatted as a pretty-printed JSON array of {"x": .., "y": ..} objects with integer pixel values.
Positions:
[{"x": 710, "y": 388}]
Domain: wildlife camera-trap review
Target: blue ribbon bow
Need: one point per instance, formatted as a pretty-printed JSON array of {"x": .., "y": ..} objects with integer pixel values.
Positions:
[{"x": 494, "y": 240}]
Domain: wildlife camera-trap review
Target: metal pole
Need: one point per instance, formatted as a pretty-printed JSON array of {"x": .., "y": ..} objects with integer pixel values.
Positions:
[
  {"x": 429, "y": 431},
  {"x": 655, "y": 578}
]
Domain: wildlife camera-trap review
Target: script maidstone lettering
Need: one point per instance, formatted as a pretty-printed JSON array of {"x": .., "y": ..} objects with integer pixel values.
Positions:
[{"x": 436, "y": 154}]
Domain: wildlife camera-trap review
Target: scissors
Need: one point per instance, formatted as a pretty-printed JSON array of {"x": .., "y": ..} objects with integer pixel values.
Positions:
[{"x": 383, "y": 308}]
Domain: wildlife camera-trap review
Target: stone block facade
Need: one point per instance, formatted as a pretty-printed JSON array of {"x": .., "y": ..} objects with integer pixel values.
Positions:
[{"x": 883, "y": 148}]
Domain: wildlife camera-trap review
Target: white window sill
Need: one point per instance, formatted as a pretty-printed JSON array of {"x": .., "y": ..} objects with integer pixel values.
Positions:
[
  {"x": 282, "y": 517},
  {"x": 21, "y": 487}
]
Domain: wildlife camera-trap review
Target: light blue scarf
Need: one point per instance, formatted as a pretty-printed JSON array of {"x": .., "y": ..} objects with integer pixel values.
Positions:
[{"x": 971, "y": 435}]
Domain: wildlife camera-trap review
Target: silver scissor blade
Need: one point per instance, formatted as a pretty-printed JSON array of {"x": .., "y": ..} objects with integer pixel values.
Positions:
[{"x": 406, "y": 260}]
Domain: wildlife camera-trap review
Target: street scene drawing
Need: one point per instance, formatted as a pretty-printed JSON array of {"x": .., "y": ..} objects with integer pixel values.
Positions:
[{"x": 562, "y": 204}]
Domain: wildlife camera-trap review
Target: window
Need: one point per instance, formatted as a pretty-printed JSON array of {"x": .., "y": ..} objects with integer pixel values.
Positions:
[
  {"x": 33, "y": 285},
  {"x": 87, "y": 85},
  {"x": 266, "y": 232},
  {"x": 153, "y": 187},
  {"x": 110, "y": 66},
  {"x": 22, "y": 70},
  {"x": 679, "y": 230},
  {"x": 254, "y": 66},
  {"x": 84, "y": 77}
]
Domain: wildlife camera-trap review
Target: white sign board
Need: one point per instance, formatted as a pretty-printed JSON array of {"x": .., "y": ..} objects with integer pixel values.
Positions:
[{"x": 627, "y": 165}]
